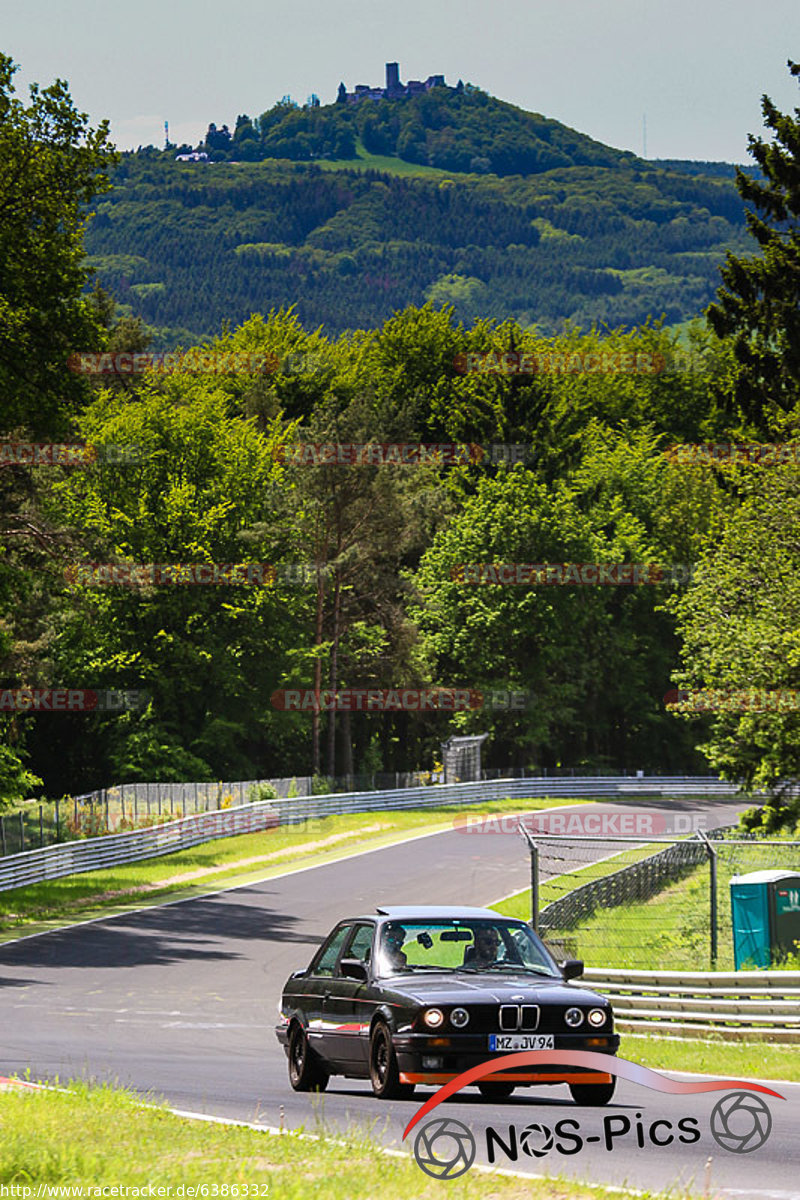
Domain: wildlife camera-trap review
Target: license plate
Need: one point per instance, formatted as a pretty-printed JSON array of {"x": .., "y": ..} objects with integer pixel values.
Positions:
[{"x": 521, "y": 1041}]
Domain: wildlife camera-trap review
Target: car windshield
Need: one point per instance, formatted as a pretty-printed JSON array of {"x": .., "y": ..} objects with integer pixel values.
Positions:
[{"x": 468, "y": 946}]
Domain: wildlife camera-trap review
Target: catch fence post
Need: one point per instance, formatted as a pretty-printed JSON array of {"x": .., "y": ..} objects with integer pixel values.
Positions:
[
  {"x": 21, "y": 831},
  {"x": 534, "y": 852},
  {"x": 41, "y": 827},
  {"x": 712, "y": 885},
  {"x": 3, "y": 835}
]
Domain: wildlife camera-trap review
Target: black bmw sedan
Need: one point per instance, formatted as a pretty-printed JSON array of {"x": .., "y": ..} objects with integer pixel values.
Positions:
[{"x": 417, "y": 995}]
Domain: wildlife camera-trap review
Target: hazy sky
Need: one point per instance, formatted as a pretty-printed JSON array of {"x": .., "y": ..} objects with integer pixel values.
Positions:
[{"x": 697, "y": 68}]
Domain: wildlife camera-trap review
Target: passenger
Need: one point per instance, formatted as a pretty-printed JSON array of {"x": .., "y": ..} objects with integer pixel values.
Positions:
[{"x": 394, "y": 936}]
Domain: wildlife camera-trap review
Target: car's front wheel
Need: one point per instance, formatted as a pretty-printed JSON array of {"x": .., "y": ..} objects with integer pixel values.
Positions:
[
  {"x": 592, "y": 1094},
  {"x": 383, "y": 1073},
  {"x": 306, "y": 1072},
  {"x": 496, "y": 1091}
]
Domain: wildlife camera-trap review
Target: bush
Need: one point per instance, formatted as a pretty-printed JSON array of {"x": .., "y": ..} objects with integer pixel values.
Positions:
[{"x": 260, "y": 792}]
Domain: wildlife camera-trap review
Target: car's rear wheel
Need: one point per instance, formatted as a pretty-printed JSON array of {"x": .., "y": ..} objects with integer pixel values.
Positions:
[
  {"x": 496, "y": 1091},
  {"x": 383, "y": 1073},
  {"x": 592, "y": 1094},
  {"x": 306, "y": 1072}
]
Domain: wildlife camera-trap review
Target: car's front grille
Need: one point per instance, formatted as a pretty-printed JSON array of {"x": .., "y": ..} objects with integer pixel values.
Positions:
[
  {"x": 529, "y": 1016},
  {"x": 509, "y": 1016},
  {"x": 515, "y": 1016}
]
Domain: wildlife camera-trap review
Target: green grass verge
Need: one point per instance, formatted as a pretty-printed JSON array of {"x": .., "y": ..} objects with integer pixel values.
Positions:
[
  {"x": 713, "y": 1056},
  {"x": 519, "y": 905},
  {"x": 227, "y": 862},
  {"x": 95, "y": 1136}
]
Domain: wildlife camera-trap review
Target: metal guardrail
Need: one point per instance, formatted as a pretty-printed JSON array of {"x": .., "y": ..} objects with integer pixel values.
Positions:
[
  {"x": 205, "y": 796},
  {"x": 92, "y": 854},
  {"x": 736, "y": 1005}
]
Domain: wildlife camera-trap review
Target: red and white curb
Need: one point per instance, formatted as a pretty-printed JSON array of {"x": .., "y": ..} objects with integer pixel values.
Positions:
[{"x": 6, "y": 1084}]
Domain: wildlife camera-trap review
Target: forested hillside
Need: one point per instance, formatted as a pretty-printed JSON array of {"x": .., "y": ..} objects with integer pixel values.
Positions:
[{"x": 187, "y": 246}]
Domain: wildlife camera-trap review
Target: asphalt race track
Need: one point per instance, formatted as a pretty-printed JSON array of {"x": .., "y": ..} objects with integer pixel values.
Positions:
[{"x": 180, "y": 1001}]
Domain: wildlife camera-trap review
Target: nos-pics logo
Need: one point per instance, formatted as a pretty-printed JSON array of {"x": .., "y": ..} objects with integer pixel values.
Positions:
[{"x": 445, "y": 1148}]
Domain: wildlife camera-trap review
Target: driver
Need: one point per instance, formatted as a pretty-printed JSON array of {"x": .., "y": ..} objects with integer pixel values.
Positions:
[
  {"x": 487, "y": 942},
  {"x": 393, "y": 937}
]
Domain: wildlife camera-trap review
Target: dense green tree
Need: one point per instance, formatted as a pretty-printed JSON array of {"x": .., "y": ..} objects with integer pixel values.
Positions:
[
  {"x": 51, "y": 167},
  {"x": 596, "y": 658},
  {"x": 740, "y": 624},
  {"x": 758, "y": 306},
  {"x": 203, "y": 490}
]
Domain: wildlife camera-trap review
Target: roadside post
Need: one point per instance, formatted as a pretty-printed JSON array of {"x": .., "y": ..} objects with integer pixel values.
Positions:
[
  {"x": 712, "y": 884},
  {"x": 534, "y": 877}
]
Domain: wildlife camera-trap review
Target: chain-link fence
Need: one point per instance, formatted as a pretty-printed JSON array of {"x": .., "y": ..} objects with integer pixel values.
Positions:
[
  {"x": 659, "y": 905},
  {"x": 139, "y": 805}
]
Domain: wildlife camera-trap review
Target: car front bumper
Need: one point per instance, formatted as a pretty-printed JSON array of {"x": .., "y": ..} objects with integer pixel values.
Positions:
[{"x": 436, "y": 1060}]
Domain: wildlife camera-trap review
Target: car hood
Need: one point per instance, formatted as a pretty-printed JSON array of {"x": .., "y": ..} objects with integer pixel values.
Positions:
[{"x": 488, "y": 989}]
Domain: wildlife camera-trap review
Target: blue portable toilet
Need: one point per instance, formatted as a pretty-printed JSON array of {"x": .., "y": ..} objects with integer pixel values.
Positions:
[{"x": 765, "y": 914}]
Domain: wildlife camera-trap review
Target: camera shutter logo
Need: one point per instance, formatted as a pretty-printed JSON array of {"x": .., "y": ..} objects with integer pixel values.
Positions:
[
  {"x": 444, "y": 1148},
  {"x": 741, "y": 1122},
  {"x": 536, "y": 1140}
]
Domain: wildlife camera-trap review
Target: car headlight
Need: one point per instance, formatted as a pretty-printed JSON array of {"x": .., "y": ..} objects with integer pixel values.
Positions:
[
  {"x": 433, "y": 1017},
  {"x": 597, "y": 1016},
  {"x": 573, "y": 1017},
  {"x": 459, "y": 1017}
]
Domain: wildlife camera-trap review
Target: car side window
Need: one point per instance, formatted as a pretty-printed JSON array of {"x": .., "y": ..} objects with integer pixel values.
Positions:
[
  {"x": 330, "y": 952},
  {"x": 361, "y": 944}
]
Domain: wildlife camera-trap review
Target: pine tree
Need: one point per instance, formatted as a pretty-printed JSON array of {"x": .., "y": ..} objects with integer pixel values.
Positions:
[{"x": 759, "y": 305}]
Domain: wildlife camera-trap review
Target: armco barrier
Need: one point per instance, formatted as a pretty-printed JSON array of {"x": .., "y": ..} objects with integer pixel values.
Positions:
[
  {"x": 92, "y": 854},
  {"x": 736, "y": 1005}
]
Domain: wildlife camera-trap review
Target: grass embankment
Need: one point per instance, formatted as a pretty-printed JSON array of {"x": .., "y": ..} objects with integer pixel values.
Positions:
[
  {"x": 384, "y": 162},
  {"x": 226, "y": 862},
  {"x": 519, "y": 905},
  {"x": 97, "y": 1136},
  {"x": 670, "y": 931}
]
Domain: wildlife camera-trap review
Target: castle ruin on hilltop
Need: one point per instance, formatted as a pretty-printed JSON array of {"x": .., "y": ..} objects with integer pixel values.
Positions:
[{"x": 394, "y": 90}]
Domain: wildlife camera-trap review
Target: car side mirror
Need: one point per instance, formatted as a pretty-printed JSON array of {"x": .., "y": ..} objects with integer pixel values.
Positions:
[
  {"x": 353, "y": 968},
  {"x": 571, "y": 968}
]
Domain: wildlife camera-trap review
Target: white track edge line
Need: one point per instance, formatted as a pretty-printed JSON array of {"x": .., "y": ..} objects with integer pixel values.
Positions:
[{"x": 321, "y": 1137}]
